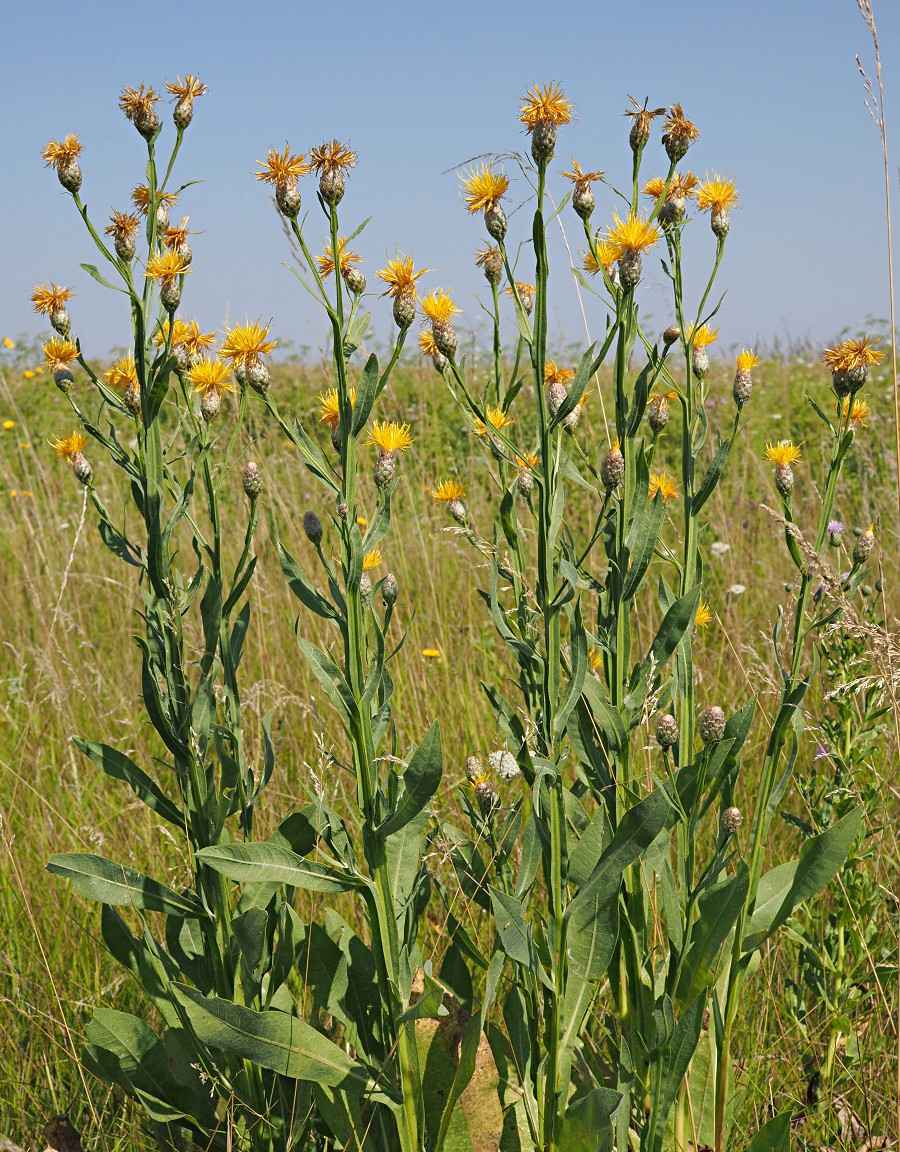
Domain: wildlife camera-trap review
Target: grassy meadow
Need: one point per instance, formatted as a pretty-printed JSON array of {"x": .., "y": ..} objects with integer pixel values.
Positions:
[{"x": 70, "y": 667}]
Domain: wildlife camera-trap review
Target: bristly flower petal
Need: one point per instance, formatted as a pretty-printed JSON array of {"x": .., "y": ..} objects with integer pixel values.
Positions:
[
  {"x": 545, "y": 104},
  {"x": 483, "y": 187}
]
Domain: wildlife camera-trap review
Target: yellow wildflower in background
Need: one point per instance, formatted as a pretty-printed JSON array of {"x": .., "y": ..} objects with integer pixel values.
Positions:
[
  {"x": 122, "y": 373},
  {"x": 282, "y": 168},
  {"x": 346, "y": 258},
  {"x": 58, "y": 155},
  {"x": 545, "y": 104},
  {"x": 7, "y": 343},
  {"x": 483, "y": 187},
  {"x": 665, "y": 484},
  {"x": 69, "y": 446},
  {"x": 433, "y": 654},
  {"x": 372, "y": 559},
  {"x": 47, "y": 300},
  {"x": 209, "y": 376},
  {"x": 166, "y": 267},
  {"x": 448, "y": 490},
  {"x": 782, "y": 454},
  {"x": 438, "y": 306},
  {"x": 497, "y": 419},
  {"x": 746, "y": 360},
  {"x": 400, "y": 276},
  {"x": 389, "y": 436},
  {"x": 554, "y": 375},
  {"x": 703, "y": 617},
  {"x": 329, "y": 412},
  {"x": 631, "y": 235},
  {"x": 8, "y": 425},
  {"x": 59, "y": 353},
  {"x": 427, "y": 343},
  {"x": 529, "y": 461},
  {"x": 245, "y": 343}
]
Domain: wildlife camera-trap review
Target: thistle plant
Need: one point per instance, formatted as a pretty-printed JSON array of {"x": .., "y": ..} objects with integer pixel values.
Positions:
[{"x": 622, "y": 915}]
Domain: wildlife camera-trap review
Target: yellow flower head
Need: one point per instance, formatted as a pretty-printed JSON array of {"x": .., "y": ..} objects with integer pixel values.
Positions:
[
  {"x": 851, "y": 354},
  {"x": 439, "y": 307},
  {"x": 486, "y": 255},
  {"x": 554, "y": 375},
  {"x": 210, "y": 376},
  {"x": 346, "y": 258},
  {"x": 140, "y": 198},
  {"x": 448, "y": 490},
  {"x": 389, "y": 436},
  {"x": 136, "y": 102},
  {"x": 631, "y": 235},
  {"x": 123, "y": 225},
  {"x": 595, "y": 659},
  {"x": 678, "y": 128},
  {"x": 855, "y": 411},
  {"x": 245, "y": 343},
  {"x": 435, "y": 654},
  {"x": 175, "y": 236},
  {"x": 427, "y": 343},
  {"x": 483, "y": 188},
  {"x": 606, "y": 256},
  {"x": 664, "y": 483},
  {"x": 545, "y": 104},
  {"x": 654, "y": 187},
  {"x": 187, "y": 89},
  {"x": 782, "y": 454},
  {"x": 69, "y": 446},
  {"x": 717, "y": 194},
  {"x": 59, "y": 353},
  {"x": 329, "y": 410},
  {"x": 525, "y": 290},
  {"x": 47, "y": 300},
  {"x": 528, "y": 462},
  {"x": 58, "y": 155},
  {"x": 196, "y": 341},
  {"x": 166, "y": 267},
  {"x": 122, "y": 373},
  {"x": 283, "y": 169},
  {"x": 703, "y": 336},
  {"x": 400, "y": 277},
  {"x": 497, "y": 419},
  {"x": 179, "y": 333},
  {"x": 7, "y": 343},
  {"x": 332, "y": 157},
  {"x": 746, "y": 360},
  {"x": 704, "y": 616},
  {"x": 683, "y": 185},
  {"x": 580, "y": 179},
  {"x": 372, "y": 559}
]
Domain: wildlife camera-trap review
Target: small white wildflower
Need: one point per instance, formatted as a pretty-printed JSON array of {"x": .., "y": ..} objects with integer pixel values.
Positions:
[
  {"x": 719, "y": 548},
  {"x": 737, "y": 589},
  {"x": 504, "y": 764}
]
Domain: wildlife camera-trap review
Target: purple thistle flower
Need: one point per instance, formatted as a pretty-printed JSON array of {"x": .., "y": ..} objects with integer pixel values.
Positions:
[
  {"x": 835, "y": 528},
  {"x": 822, "y": 750}
]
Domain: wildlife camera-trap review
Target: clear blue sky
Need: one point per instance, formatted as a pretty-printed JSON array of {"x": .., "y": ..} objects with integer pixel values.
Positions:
[{"x": 419, "y": 88}]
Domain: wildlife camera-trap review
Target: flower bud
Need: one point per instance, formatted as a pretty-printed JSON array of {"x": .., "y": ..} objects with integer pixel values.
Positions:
[
  {"x": 612, "y": 470},
  {"x": 720, "y": 222},
  {"x": 666, "y": 731},
  {"x": 712, "y": 725},
  {"x": 862, "y": 549},
  {"x": 404, "y": 311},
  {"x": 59, "y": 321},
  {"x": 458, "y": 510},
  {"x": 731, "y": 821},
  {"x": 253, "y": 482},
  {"x": 183, "y": 113},
  {"x": 312, "y": 526},
  {"x": 526, "y": 296},
  {"x": 556, "y": 395},
  {"x": 504, "y": 764},
  {"x": 495, "y": 222},
  {"x": 389, "y": 590},
  {"x": 525, "y": 482},
  {"x": 493, "y": 267},
  {"x": 441, "y": 363},
  {"x": 70, "y": 176},
  {"x": 147, "y": 122},
  {"x": 258, "y": 377},
  {"x": 210, "y": 405},
  {"x": 543, "y": 142},
  {"x": 487, "y": 798},
  {"x": 840, "y": 384},
  {"x": 332, "y": 186},
  {"x": 474, "y": 770},
  {"x": 700, "y": 361},
  {"x": 444, "y": 337},
  {"x": 385, "y": 468},
  {"x": 355, "y": 281},
  {"x": 583, "y": 200},
  {"x": 170, "y": 295},
  {"x": 162, "y": 216},
  {"x": 288, "y": 199},
  {"x": 630, "y": 269},
  {"x": 742, "y": 389},
  {"x": 336, "y": 437},
  {"x": 84, "y": 473},
  {"x": 671, "y": 334},
  {"x": 365, "y": 588},
  {"x": 124, "y": 246},
  {"x": 131, "y": 397},
  {"x": 784, "y": 480},
  {"x": 63, "y": 378},
  {"x": 658, "y": 414}
]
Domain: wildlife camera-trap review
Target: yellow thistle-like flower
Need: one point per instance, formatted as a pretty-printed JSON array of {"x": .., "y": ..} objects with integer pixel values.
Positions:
[
  {"x": 554, "y": 375},
  {"x": 582, "y": 179},
  {"x": 667, "y": 396},
  {"x": 438, "y": 306},
  {"x": 716, "y": 195},
  {"x": 486, "y": 255},
  {"x": 606, "y": 256},
  {"x": 166, "y": 267},
  {"x": 497, "y": 419},
  {"x": 448, "y": 490},
  {"x": 680, "y": 131},
  {"x": 58, "y": 154},
  {"x": 245, "y": 343},
  {"x": 346, "y": 258},
  {"x": 59, "y": 353},
  {"x": 329, "y": 410},
  {"x": 122, "y": 374},
  {"x": 400, "y": 277},
  {"x": 332, "y": 157},
  {"x": 187, "y": 89},
  {"x": 388, "y": 436},
  {"x": 196, "y": 341},
  {"x": 524, "y": 290},
  {"x": 853, "y": 354},
  {"x": 140, "y": 197},
  {"x": 427, "y": 343},
  {"x": 283, "y": 169},
  {"x": 545, "y": 104},
  {"x": 209, "y": 375},
  {"x": 372, "y": 559},
  {"x": 179, "y": 333},
  {"x": 136, "y": 102},
  {"x": 631, "y": 235},
  {"x": 47, "y": 300},
  {"x": 641, "y": 119},
  {"x": 746, "y": 360},
  {"x": 654, "y": 187},
  {"x": 683, "y": 185},
  {"x": 703, "y": 336},
  {"x": 69, "y": 446},
  {"x": 483, "y": 187},
  {"x": 664, "y": 483},
  {"x": 854, "y": 411},
  {"x": 703, "y": 617},
  {"x": 177, "y": 235},
  {"x": 124, "y": 225},
  {"x": 595, "y": 659},
  {"x": 783, "y": 454},
  {"x": 529, "y": 461}
]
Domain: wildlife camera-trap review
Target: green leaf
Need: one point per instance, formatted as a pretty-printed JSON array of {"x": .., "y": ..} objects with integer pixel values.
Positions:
[
  {"x": 301, "y": 587},
  {"x": 719, "y": 907},
  {"x": 579, "y": 662},
  {"x": 365, "y": 395},
  {"x": 265, "y": 862},
  {"x": 675, "y": 623},
  {"x": 509, "y": 915},
  {"x": 575, "y": 390},
  {"x": 711, "y": 477},
  {"x": 774, "y": 1136},
  {"x": 93, "y": 271},
  {"x": 356, "y": 332},
  {"x": 587, "y": 1121},
  {"x": 791, "y": 884},
  {"x": 641, "y": 543},
  {"x": 421, "y": 780},
  {"x": 275, "y": 1040},
  {"x": 121, "y": 767},
  {"x": 679, "y": 1052},
  {"x": 97, "y": 878},
  {"x": 332, "y": 680}
]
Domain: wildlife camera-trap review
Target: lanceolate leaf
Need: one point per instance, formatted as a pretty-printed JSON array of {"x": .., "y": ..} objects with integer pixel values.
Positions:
[
  {"x": 122, "y": 767},
  {"x": 420, "y": 781},
  {"x": 97, "y": 878},
  {"x": 264, "y": 862}
]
